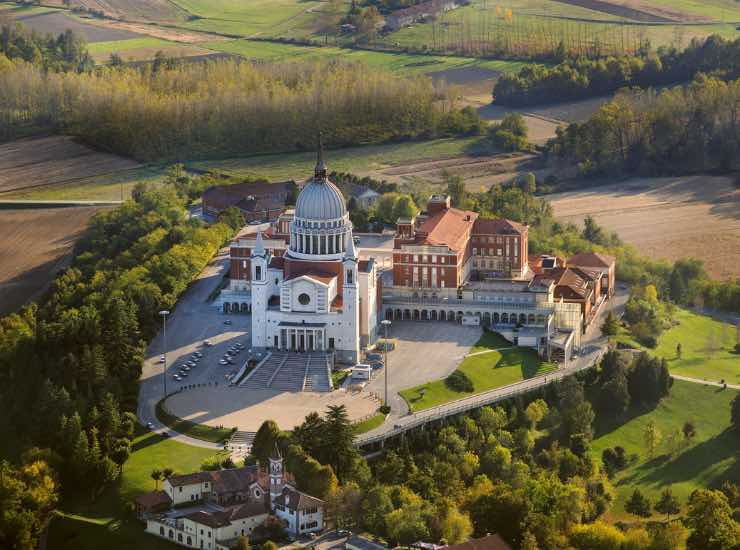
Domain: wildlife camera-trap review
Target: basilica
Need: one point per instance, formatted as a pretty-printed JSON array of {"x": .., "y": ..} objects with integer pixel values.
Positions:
[{"x": 316, "y": 294}]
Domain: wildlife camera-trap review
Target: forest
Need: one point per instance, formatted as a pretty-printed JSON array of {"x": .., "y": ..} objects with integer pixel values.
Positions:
[
  {"x": 583, "y": 76},
  {"x": 65, "y": 52},
  {"x": 77, "y": 355},
  {"x": 687, "y": 129},
  {"x": 217, "y": 108},
  {"x": 521, "y": 469}
]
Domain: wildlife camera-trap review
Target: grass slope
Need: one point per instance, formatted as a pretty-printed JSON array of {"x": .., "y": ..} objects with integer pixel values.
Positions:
[
  {"x": 198, "y": 431},
  {"x": 710, "y": 459},
  {"x": 351, "y": 159},
  {"x": 491, "y": 369},
  {"x": 103, "y": 524},
  {"x": 697, "y": 334},
  {"x": 369, "y": 424},
  {"x": 402, "y": 63}
]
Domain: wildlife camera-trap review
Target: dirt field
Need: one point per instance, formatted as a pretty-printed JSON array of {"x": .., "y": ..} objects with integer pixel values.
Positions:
[
  {"x": 133, "y": 10},
  {"x": 57, "y": 22},
  {"x": 670, "y": 218},
  {"x": 35, "y": 244},
  {"x": 638, "y": 10},
  {"x": 39, "y": 162}
]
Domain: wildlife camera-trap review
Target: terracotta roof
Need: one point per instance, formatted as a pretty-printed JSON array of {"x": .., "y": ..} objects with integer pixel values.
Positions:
[
  {"x": 221, "y": 518},
  {"x": 315, "y": 274},
  {"x": 591, "y": 259},
  {"x": 498, "y": 226},
  {"x": 593, "y": 274},
  {"x": 210, "y": 519},
  {"x": 490, "y": 542},
  {"x": 188, "y": 479},
  {"x": 449, "y": 227},
  {"x": 337, "y": 302},
  {"x": 296, "y": 500},
  {"x": 566, "y": 278},
  {"x": 153, "y": 499},
  {"x": 233, "y": 479}
]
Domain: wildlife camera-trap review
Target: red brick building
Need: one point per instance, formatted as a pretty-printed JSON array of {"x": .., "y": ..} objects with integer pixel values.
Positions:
[{"x": 446, "y": 246}]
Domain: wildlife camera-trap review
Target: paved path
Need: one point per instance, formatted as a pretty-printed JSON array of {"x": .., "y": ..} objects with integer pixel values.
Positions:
[
  {"x": 705, "y": 382},
  {"x": 593, "y": 344},
  {"x": 487, "y": 351}
]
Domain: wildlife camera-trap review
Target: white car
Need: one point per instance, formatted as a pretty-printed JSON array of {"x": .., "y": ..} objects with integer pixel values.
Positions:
[
  {"x": 223, "y": 362},
  {"x": 161, "y": 359},
  {"x": 177, "y": 377}
]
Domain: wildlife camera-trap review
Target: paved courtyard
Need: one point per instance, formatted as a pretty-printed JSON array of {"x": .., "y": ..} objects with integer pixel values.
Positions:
[
  {"x": 424, "y": 351},
  {"x": 248, "y": 408}
]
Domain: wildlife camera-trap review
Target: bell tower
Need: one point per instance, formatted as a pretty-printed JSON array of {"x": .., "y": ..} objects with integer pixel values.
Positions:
[
  {"x": 351, "y": 301},
  {"x": 260, "y": 291},
  {"x": 276, "y": 474}
]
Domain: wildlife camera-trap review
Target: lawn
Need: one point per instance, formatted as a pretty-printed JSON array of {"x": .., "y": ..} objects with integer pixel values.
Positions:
[
  {"x": 711, "y": 458},
  {"x": 699, "y": 335},
  {"x": 402, "y": 63},
  {"x": 198, "y": 431},
  {"x": 103, "y": 524},
  {"x": 496, "y": 364},
  {"x": 369, "y": 424},
  {"x": 357, "y": 160}
]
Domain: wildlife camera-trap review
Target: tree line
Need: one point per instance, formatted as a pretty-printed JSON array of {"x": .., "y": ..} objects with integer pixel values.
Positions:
[
  {"x": 64, "y": 52},
  {"x": 77, "y": 355},
  {"x": 583, "y": 76},
  {"x": 227, "y": 107},
  {"x": 686, "y": 129}
]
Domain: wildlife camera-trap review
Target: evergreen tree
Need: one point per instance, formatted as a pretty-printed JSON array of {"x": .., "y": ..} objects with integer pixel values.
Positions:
[
  {"x": 638, "y": 504},
  {"x": 667, "y": 503}
]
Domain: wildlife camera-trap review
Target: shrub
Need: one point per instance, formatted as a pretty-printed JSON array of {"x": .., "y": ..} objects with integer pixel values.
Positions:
[{"x": 459, "y": 381}]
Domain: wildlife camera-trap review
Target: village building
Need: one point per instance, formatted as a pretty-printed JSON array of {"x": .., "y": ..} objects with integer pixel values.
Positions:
[
  {"x": 256, "y": 201},
  {"x": 212, "y": 509},
  {"x": 418, "y": 13}
]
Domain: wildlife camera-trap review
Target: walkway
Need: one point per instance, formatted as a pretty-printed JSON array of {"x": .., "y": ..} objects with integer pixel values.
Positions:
[{"x": 705, "y": 382}]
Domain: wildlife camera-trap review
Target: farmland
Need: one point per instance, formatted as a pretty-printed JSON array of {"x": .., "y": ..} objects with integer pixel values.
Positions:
[
  {"x": 707, "y": 460},
  {"x": 666, "y": 218},
  {"x": 35, "y": 245},
  {"x": 30, "y": 166}
]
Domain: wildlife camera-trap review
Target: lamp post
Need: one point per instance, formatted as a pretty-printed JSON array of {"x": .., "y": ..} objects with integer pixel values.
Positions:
[
  {"x": 386, "y": 323},
  {"x": 164, "y": 313}
]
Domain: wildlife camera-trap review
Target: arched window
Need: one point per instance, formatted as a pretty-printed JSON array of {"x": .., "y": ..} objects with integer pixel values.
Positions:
[
  {"x": 258, "y": 273},
  {"x": 161, "y": 530},
  {"x": 349, "y": 276}
]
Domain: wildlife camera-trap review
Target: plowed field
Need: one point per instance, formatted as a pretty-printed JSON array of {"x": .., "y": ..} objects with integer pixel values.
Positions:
[{"x": 669, "y": 218}]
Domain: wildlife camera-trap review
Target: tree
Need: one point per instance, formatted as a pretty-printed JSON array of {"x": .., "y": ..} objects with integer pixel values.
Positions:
[
  {"x": 536, "y": 411},
  {"x": 339, "y": 450},
  {"x": 592, "y": 232},
  {"x": 456, "y": 526},
  {"x": 735, "y": 413},
  {"x": 115, "y": 60},
  {"x": 156, "y": 475},
  {"x": 710, "y": 517},
  {"x": 405, "y": 207},
  {"x": 651, "y": 436},
  {"x": 265, "y": 440},
  {"x": 120, "y": 453},
  {"x": 667, "y": 503},
  {"x": 243, "y": 544},
  {"x": 610, "y": 327},
  {"x": 455, "y": 189},
  {"x": 598, "y": 535},
  {"x": 638, "y": 504},
  {"x": 232, "y": 217}
]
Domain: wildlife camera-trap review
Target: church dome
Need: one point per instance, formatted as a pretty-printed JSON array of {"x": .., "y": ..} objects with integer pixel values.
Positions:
[{"x": 320, "y": 199}]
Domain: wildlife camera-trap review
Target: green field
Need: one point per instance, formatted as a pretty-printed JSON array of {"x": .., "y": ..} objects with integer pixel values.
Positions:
[
  {"x": 253, "y": 18},
  {"x": 103, "y": 524},
  {"x": 402, "y": 63},
  {"x": 711, "y": 458},
  {"x": 351, "y": 159},
  {"x": 699, "y": 335},
  {"x": 488, "y": 370}
]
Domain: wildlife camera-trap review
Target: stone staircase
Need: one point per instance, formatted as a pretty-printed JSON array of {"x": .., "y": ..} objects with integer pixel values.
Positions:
[{"x": 291, "y": 372}]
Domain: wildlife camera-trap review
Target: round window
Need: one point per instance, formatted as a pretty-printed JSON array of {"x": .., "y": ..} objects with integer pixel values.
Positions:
[{"x": 304, "y": 299}]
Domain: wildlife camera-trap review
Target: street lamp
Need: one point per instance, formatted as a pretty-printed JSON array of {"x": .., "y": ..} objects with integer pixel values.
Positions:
[
  {"x": 164, "y": 313},
  {"x": 386, "y": 323}
]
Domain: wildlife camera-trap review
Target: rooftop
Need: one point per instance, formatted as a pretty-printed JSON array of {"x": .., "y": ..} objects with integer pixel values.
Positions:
[
  {"x": 591, "y": 259},
  {"x": 449, "y": 227}
]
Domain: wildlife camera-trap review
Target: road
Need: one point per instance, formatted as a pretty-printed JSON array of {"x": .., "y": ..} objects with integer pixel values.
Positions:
[
  {"x": 592, "y": 343},
  {"x": 705, "y": 382}
]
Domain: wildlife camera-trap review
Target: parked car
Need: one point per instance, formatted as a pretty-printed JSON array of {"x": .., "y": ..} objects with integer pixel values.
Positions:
[
  {"x": 375, "y": 357},
  {"x": 184, "y": 374},
  {"x": 208, "y": 343},
  {"x": 198, "y": 354},
  {"x": 177, "y": 377},
  {"x": 223, "y": 362},
  {"x": 149, "y": 426},
  {"x": 162, "y": 359},
  {"x": 230, "y": 361},
  {"x": 376, "y": 366},
  {"x": 190, "y": 363},
  {"x": 240, "y": 346},
  {"x": 227, "y": 322}
]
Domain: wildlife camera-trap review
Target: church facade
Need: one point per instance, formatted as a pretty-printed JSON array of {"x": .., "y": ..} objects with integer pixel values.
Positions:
[{"x": 313, "y": 293}]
